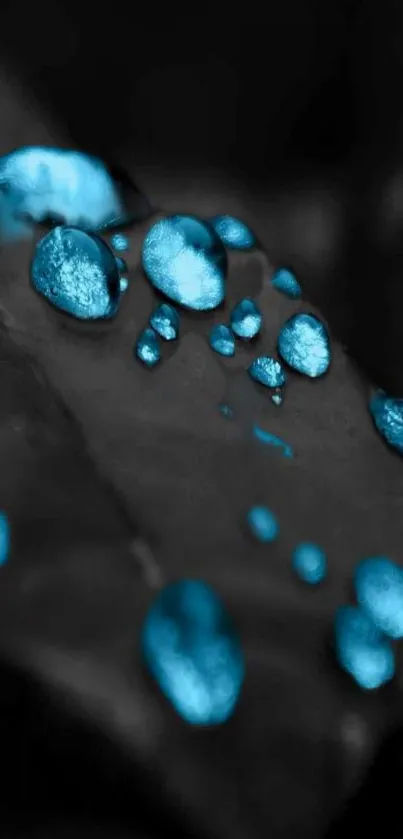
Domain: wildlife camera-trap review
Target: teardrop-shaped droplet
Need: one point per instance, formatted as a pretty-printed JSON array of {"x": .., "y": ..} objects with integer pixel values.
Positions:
[
  {"x": 246, "y": 319},
  {"x": 77, "y": 273},
  {"x": 310, "y": 563},
  {"x": 191, "y": 648},
  {"x": 286, "y": 282},
  {"x": 361, "y": 649},
  {"x": 233, "y": 232},
  {"x": 387, "y": 414},
  {"x": 267, "y": 371},
  {"x": 147, "y": 348},
  {"x": 4, "y": 538},
  {"x": 304, "y": 345},
  {"x": 277, "y": 398},
  {"x": 263, "y": 524},
  {"x": 165, "y": 321},
  {"x": 120, "y": 242},
  {"x": 222, "y": 340},
  {"x": 379, "y": 588},
  {"x": 185, "y": 259}
]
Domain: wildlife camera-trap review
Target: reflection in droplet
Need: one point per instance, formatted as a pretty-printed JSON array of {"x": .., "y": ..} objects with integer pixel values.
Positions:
[
  {"x": 271, "y": 440},
  {"x": 222, "y": 340},
  {"x": 263, "y": 524},
  {"x": 286, "y": 282},
  {"x": 233, "y": 232},
  {"x": 310, "y": 563},
  {"x": 165, "y": 321},
  {"x": 192, "y": 650},
  {"x": 147, "y": 348},
  {"x": 304, "y": 345},
  {"x": 387, "y": 415},
  {"x": 246, "y": 319},
  {"x": 379, "y": 588},
  {"x": 120, "y": 242},
  {"x": 267, "y": 371},
  {"x": 361, "y": 649}
]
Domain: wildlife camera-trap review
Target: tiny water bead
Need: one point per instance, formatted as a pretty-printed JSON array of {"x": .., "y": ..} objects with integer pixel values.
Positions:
[
  {"x": 286, "y": 282},
  {"x": 361, "y": 649},
  {"x": 185, "y": 259},
  {"x": 310, "y": 563},
  {"x": 267, "y": 371},
  {"x": 165, "y": 321},
  {"x": 379, "y": 589},
  {"x": 77, "y": 272},
  {"x": 120, "y": 242},
  {"x": 233, "y": 232},
  {"x": 124, "y": 284},
  {"x": 192, "y": 650},
  {"x": 147, "y": 348},
  {"x": 4, "y": 538},
  {"x": 263, "y": 524},
  {"x": 277, "y": 399},
  {"x": 304, "y": 345},
  {"x": 271, "y": 440},
  {"x": 387, "y": 415},
  {"x": 222, "y": 340},
  {"x": 246, "y": 319},
  {"x": 226, "y": 411}
]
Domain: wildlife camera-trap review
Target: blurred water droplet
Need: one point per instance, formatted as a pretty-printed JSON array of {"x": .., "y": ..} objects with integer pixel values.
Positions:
[
  {"x": 387, "y": 415},
  {"x": 379, "y": 588},
  {"x": 263, "y": 524},
  {"x": 310, "y": 563},
  {"x": 361, "y": 649},
  {"x": 271, "y": 440},
  {"x": 233, "y": 232},
  {"x": 286, "y": 282},
  {"x": 124, "y": 284}
]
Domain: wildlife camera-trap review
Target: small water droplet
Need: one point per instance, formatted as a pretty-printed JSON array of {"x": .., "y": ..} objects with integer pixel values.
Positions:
[
  {"x": 387, "y": 415},
  {"x": 304, "y": 345},
  {"x": 147, "y": 348},
  {"x": 122, "y": 265},
  {"x": 246, "y": 319},
  {"x": 120, "y": 242},
  {"x": 124, "y": 284},
  {"x": 310, "y": 563},
  {"x": 263, "y": 524},
  {"x": 4, "y": 538},
  {"x": 271, "y": 440},
  {"x": 222, "y": 340},
  {"x": 165, "y": 321},
  {"x": 286, "y": 282},
  {"x": 379, "y": 588},
  {"x": 267, "y": 371},
  {"x": 233, "y": 232},
  {"x": 277, "y": 398},
  {"x": 361, "y": 649}
]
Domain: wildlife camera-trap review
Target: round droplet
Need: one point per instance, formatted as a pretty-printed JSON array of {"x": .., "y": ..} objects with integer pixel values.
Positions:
[
  {"x": 304, "y": 345},
  {"x": 77, "y": 273},
  {"x": 233, "y": 232},
  {"x": 246, "y": 319},
  {"x": 286, "y": 282},
  {"x": 147, "y": 348},
  {"x": 120, "y": 242},
  {"x": 263, "y": 524},
  {"x": 387, "y": 415},
  {"x": 191, "y": 648},
  {"x": 379, "y": 588},
  {"x": 165, "y": 321},
  {"x": 185, "y": 259},
  {"x": 267, "y": 371},
  {"x": 222, "y": 340},
  {"x": 309, "y": 562},
  {"x": 361, "y": 649},
  {"x": 124, "y": 284},
  {"x": 4, "y": 538}
]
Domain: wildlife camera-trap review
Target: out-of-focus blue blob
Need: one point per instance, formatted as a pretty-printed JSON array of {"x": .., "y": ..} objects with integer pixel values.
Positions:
[
  {"x": 361, "y": 649},
  {"x": 233, "y": 232},
  {"x": 267, "y": 371},
  {"x": 4, "y": 538},
  {"x": 222, "y": 340},
  {"x": 120, "y": 242},
  {"x": 226, "y": 411},
  {"x": 147, "y": 348},
  {"x": 286, "y": 282},
  {"x": 304, "y": 345},
  {"x": 277, "y": 399},
  {"x": 310, "y": 563},
  {"x": 379, "y": 588},
  {"x": 387, "y": 414},
  {"x": 271, "y": 440},
  {"x": 192, "y": 650},
  {"x": 246, "y": 319},
  {"x": 185, "y": 259},
  {"x": 77, "y": 272},
  {"x": 263, "y": 524},
  {"x": 165, "y": 321},
  {"x": 124, "y": 284}
]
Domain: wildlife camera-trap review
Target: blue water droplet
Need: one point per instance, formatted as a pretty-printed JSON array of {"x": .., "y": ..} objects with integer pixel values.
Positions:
[
  {"x": 246, "y": 319},
  {"x": 271, "y": 440},
  {"x": 165, "y": 321},
  {"x": 226, "y": 411},
  {"x": 77, "y": 273},
  {"x": 120, "y": 242},
  {"x": 191, "y": 648},
  {"x": 310, "y": 563},
  {"x": 267, "y": 371},
  {"x": 277, "y": 399},
  {"x": 4, "y": 538},
  {"x": 361, "y": 649},
  {"x": 122, "y": 265},
  {"x": 387, "y": 415},
  {"x": 304, "y": 345},
  {"x": 286, "y": 282},
  {"x": 147, "y": 348},
  {"x": 222, "y": 340},
  {"x": 233, "y": 232},
  {"x": 184, "y": 258},
  {"x": 379, "y": 588},
  {"x": 263, "y": 524},
  {"x": 124, "y": 284}
]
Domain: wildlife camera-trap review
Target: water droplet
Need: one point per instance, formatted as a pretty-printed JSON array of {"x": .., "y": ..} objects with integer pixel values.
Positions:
[
  {"x": 124, "y": 284},
  {"x": 226, "y": 411},
  {"x": 184, "y": 258},
  {"x": 277, "y": 398},
  {"x": 246, "y": 319},
  {"x": 271, "y": 440},
  {"x": 120, "y": 242},
  {"x": 165, "y": 321},
  {"x": 191, "y": 648},
  {"x": 379, "y": 588},
  {"x": 4, "y": 538},
  {"x": 82, "y": 270},
  {"x": 147, "y": 348},
  {"x": 286, "y": 282},
  {"x": 387, "y": 415},
  {"x": 310, "y": 563},
  {"x": 361, "y": 649},
  {"x": 263, "y": 524},
  {"x": 303, "y": 343},
  {"x": 222, "y": 340},
  {"x": 233, "y": 232},
  {"x": 267, "y": 371},
  {"x": 122, "y": 265}
]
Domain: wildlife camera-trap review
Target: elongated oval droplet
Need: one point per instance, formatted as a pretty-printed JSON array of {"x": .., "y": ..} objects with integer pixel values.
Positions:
[
  {"x": 165, "y": 321},
  {"x": 191, "y": 648},
  {"x": 233, "y": 232},
  {"x": 286, "y": 282},
  {"x": 267, "y": 371},
  {"x": 379, "y": 588},
  {"x": 77, "y": 273},
  {"x": 246, "y": 319},
  {"x": 124, "y": 284},
  {"x": 387, "y": 415},
  {"x": 222, "y": 340},
  {"x": 272, "y": 440},
  {"x": 263, "y": 524},
  {"x": 310, "y": 563},
  {"x": 147, "y": 348},
  {"x": 361, "y": 649},
  {"x": 4, "y": 538},
  {"x": 185, "y": 259},
  {"x": 304, "y": 345}
]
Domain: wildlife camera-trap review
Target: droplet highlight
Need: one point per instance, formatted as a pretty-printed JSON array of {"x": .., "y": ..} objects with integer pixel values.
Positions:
[
  {"x": 361, "y": 649},
  {"x": 286, "y": 283},
  {"x": 304, "y": 345},
  {"x": 309, "y": 563},
  {"x": 263, "y": 524},
  {"x": 233, "y": 232},
  {"x": 387, "y": 415},
  {"x": 246, "y": 319},
  {"x": 222, "y": 340},
  {"x": 147, "y": 348},
  {"x": 379, "y": 589},
  {"x": 267, "y": 371},
  {"x": 165, "y": 321},
  {"x": 120, "y": 242}
]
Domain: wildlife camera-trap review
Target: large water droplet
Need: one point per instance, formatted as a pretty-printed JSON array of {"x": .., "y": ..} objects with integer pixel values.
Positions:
[
  {"x": 263, "y": 524},
  {"x": 309, "y": 562},
  {"x": 361, "y": 649},
  {"x": 267, "y": 371},
  {"x": 120, "y": 242},
  {"x": 184, "y": 258},
  {"x": 387, "y": 415},
  {"x": 222, "y": 340},
  {"x": 77, "y": 273},
  {"x": 147, "y": 348},
  {"x": 246, "y": 319},
  {"x": 233, "y": 232},
  {"x": 165, "y": 321},
  {"x": 304, "y": 344},
  {"x": 191, "y": 648},
  {"x": 286, "y": 282},
  {"x": 379, "y": 588}
]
